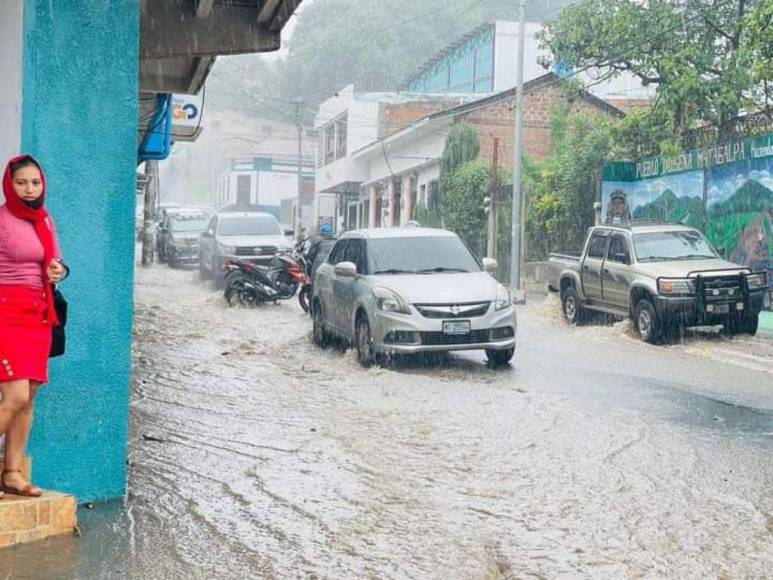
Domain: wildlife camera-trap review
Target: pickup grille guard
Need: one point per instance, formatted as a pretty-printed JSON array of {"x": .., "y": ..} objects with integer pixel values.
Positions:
[{"x": 712, "y": 286}]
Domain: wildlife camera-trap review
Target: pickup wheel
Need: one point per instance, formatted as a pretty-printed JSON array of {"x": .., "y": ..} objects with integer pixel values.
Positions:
[
  {"x": 649, "y": 327},
  {"x": 743, "y": 324},
  {"x": 570, "y": 303}
]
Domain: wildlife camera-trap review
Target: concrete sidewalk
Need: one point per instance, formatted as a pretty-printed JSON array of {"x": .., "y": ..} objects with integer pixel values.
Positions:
[{"x": 766, "y": 323}]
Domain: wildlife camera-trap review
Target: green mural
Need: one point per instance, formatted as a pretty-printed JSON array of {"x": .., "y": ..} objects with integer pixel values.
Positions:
[{"x": 725, "y": 190}]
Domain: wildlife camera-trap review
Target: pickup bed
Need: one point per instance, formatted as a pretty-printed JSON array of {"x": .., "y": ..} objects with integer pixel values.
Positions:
[{"x": 661, "y": 276}]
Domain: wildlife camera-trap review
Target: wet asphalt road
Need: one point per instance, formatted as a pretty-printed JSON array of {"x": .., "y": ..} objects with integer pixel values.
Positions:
[{"x": 253, "y": 454}]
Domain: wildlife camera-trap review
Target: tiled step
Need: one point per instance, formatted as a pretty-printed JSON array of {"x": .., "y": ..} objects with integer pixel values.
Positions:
[
  {"x": 25, "y": 519},
  {"x": 29, "y": 519}
]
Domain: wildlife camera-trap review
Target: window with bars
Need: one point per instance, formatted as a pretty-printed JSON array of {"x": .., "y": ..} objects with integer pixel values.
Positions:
[
  {"x": 332, "y": 140},
  {"x": 341, "y": 130}
]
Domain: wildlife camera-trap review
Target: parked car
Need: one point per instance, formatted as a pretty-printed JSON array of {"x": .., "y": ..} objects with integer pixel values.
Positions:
[
  {"x": 162, "y": 214},
  {"x": 178, "y": 236},
  {"x": 248, "y": 236},
  {"x": 661, "y": 276},
  {"x": 412, "y": 290}
]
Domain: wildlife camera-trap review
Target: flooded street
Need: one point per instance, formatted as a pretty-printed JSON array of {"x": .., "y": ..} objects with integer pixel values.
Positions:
[{"x": 253, "y": 454}]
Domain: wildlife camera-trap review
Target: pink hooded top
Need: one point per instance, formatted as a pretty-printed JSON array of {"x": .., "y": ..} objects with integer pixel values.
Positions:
[{"x": 21, "y": 252}]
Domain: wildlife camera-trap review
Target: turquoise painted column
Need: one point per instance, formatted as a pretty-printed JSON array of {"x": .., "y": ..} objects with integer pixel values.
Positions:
[{"x": 79, "y": 118}]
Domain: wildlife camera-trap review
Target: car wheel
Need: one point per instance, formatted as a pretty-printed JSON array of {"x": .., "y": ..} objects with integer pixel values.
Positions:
[
  {"x": 203, "y": 273},
  {"x": 500, "y": 358},
  {"x": 570, "y": 303},
  {"x": 217, "y": 275},
  {"x": 364, "y": 342},
  {"x": 320, "y": 335},
  {"x": 647, "y": 324}
]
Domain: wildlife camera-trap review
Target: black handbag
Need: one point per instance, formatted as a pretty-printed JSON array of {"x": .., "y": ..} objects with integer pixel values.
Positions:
[{"x": 57, "y": 333}]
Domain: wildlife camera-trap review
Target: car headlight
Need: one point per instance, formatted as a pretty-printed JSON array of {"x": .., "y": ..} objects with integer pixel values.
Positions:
[
  {"x": 226, "y": 249},
  {"x": 388, "y": 301},
  {"x": 756, "y": 281},
  {"x": 504, "y": 299},
  {"x": 676, "y": 286}
]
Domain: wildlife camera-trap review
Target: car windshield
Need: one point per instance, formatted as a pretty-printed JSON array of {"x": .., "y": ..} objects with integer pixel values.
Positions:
[
  {"x": 420, "y": 255},
  {"x": 193, "y": 224},
  {"x": 676, "y": 245},
  {"x": 249, "y": 226}
]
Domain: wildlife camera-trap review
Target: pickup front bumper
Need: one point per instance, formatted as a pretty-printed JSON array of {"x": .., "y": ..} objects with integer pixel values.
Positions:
[{"x": 692, "y": 311}]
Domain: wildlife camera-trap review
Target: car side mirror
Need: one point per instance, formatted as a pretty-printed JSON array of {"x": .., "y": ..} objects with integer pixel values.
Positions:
[
  {"x": 490, "y": 265},
  {"x": 289, "y": 233},
  {"x": 346, "y": 269},
  {"x": 623, "y": 258}
]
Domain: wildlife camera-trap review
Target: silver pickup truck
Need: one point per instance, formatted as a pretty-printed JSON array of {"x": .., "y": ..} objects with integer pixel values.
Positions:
[{"x": 661, "y": 276}]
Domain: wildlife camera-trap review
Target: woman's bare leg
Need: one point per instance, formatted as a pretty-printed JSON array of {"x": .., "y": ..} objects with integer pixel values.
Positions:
[
  {"x": 16, "y": 438},
  {"x": 16, "y": 396}
]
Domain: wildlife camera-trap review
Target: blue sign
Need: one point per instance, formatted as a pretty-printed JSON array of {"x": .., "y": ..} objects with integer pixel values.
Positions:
[{"x": 157, "y": 143}]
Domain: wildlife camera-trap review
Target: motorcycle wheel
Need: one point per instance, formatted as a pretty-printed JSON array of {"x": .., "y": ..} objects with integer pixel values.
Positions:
[
  {"x": 304, "y": 297},
  {"x": 236, "y": 289}
]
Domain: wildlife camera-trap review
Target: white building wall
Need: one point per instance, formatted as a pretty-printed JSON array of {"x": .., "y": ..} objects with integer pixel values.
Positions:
[
  {"x": 11, "y": 15},
  {"x": 408, "y": 156},
  {"x": 625, "y": 85},
  {"x": 506, "y": 54},
  {"x": 274, "y": 187},
  {"x": 362, "y": 129}
]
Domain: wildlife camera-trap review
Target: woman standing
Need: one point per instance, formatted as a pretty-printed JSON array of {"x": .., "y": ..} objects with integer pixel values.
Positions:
[{"x": 30, "y": 261}]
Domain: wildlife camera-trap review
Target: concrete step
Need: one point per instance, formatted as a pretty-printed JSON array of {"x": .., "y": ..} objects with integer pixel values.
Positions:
[{"x": 25, "y": 519}]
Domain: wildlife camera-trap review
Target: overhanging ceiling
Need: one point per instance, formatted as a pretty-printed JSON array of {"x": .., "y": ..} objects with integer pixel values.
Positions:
[{"x": 181, "y": 38}]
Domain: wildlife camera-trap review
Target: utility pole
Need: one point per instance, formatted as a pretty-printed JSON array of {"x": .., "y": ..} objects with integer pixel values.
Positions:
[
  {"x": 515, "y": 252},
  {"x": 491, "y": 242},
  {"x": 297, "y": 213},
  {"x": 149, "y": 213}
]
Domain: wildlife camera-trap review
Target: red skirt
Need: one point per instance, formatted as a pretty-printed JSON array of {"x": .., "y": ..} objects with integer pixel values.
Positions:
[{"x": 25, "y": 335}]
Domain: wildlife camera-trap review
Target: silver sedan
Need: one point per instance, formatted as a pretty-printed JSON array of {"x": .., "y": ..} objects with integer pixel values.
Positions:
[{"x": 411, "y": 290}]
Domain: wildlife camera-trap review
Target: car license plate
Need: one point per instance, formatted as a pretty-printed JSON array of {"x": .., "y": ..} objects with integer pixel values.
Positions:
[
  {"x": 722, "y": 308},
  {"x": 456, "y": 327}
]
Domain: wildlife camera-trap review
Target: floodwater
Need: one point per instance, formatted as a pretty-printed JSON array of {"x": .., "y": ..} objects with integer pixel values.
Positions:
[{"x": 255, "y": 455}]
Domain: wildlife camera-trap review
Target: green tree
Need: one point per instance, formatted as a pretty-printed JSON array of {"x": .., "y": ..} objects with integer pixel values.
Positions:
[
  {"x": 562, "y": 189},
  {"x": 373, "y": 44},
  {"x": 462, "y": 145},
  {"x": 699, "y": 55},
  {"x": 760, "y": 33},
  {"x": 462, "y": 201}
]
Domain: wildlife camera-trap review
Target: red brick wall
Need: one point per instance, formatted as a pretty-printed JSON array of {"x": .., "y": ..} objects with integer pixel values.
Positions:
[
  {"x": 395, "y": 117},
  {"x": 498, "y": 120}
]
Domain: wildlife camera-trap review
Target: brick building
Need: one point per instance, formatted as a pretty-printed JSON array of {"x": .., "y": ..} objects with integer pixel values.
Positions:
[
  {"x": 349, "y": 121},
  {"x": 402, "y": 169}
]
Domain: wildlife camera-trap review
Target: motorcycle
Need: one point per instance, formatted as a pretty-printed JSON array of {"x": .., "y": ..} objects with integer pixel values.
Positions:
[
  {"x": 246, "y": 282},
  {"x": 300, "y": 253}
]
